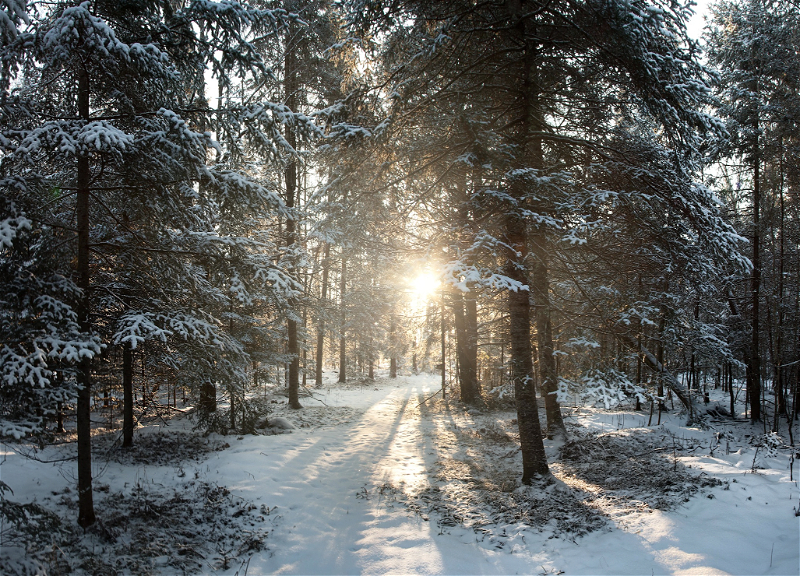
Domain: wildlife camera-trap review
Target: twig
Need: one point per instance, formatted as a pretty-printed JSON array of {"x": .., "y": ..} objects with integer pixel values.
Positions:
[
  {"x": 429, "y": 397},
  {"x": 753, "y": 467},
  {"x": 651, "y": 451},
  {"x": 30, "y": 454},
  {"x": 181, "y": 410},
  {"x": 311, "y": 394}
]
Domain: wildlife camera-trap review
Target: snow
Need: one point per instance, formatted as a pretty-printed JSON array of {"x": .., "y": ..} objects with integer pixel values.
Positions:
[
  {"x": 9, "y": 228},
  {"x": 373, "y": 480}
]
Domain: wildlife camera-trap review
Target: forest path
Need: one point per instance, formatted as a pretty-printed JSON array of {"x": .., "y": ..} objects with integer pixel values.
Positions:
[
  {"x": 321, "y": 480},
  {"x": 323, "y": 486}
]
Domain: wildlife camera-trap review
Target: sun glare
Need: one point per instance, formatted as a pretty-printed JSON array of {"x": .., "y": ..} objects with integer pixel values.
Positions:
[{"x": 425, "y": 285}]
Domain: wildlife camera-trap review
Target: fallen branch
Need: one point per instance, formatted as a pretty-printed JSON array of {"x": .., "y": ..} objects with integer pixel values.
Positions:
[
  {"x": 429, "y": 397},
  {"x": 667, "y": 377},
  {"x": 311, "y": 394}
]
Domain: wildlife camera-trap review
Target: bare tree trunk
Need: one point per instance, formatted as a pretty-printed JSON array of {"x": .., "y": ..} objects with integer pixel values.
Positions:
[
  {"x": 86, "y": 516},
  {"x": 371, "y": 372},
  {"x": 534, "y": 460},
  {"x": 465, "y": 314},
  {"x": 471, "y": 317},
  {"x": 540, "y": 285},
  {"x": 342, "y": 333},
  {"x": 60, "y": 417},
  {"x": 127, "y": 396},
  {"x": 529, "y": 155},
  {"x": 232, "y": 393},
  {"x": 321, "y": 324},
  {"x": 778, "y": 380},
  {"x": 208, "y": 398},
  {"x": 392, "y": 344},
  {"x": 754, "y": 359},
  {"x": 444, "y": 350},
  {"x": 290, "y": 85},
  {"x": 662, "y": 323}
]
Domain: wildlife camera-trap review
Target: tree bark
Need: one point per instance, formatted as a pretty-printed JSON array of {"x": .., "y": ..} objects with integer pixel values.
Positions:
[
  {"x": 534, "y": 460},
  {"x": 321, "y": 324},
  {"x": 208, "y": 398},
  {"x": 471, "y": 317},
  {"x": 540, "y": 285},
  {"x": 392, "y": 344},
  {"x": 86, "y": 516},
  {"x": 465, "y": 314},
  {"x": 342, "y": 336},
  {"x": 290, "y": 176},
  {"x": 528, "y": 152},
  {"x": 127, "y": 396},
  {"x": 753, "y": 371}
]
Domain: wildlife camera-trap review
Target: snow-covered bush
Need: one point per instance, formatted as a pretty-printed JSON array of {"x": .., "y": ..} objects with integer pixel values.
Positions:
[{"x": 608, "y": 387}]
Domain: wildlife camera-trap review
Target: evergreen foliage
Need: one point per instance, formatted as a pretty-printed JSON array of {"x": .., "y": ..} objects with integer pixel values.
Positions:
[{"x": 212, "y": 198}]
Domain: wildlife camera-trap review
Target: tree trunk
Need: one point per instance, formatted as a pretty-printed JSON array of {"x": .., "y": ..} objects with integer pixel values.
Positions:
[
  {"x": 662, "y": 324},
  {"x": 657, "y": 365},
  {"x": 342, "y": 339},
  {"x": 730, "y": 390},
  {"x": 321, "y": 324},
  {"x": 290, "y": 175},
  {"x": 232, "y": 392},
  {"x": 534, "y": 460},
  {"x": 754, "y": 359},
  {"x": 471, "y": 314},
  {"x": 60, "y": 419},
  {"x": 86, "y": 516},
  {"x": 127, "y": 396},
  {"x": 778, "y": 380},
  {"x": 444, "y": 351},
  {"x": 208, "y": 398},
  {"x": 540, "y": 285},
  {"x": 528, "y": 150},
  {"x": 465, "y": 314}
]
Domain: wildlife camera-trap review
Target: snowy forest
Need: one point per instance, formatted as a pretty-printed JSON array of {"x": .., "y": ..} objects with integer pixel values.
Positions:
[{"x": 399, "y": 286}]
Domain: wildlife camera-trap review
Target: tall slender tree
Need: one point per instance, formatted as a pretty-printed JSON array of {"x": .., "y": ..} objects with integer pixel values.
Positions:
[
  {"x": 548, "y": 83},
  {"x": 111, "y": 169},
  {"x": 754, "y": 44}
]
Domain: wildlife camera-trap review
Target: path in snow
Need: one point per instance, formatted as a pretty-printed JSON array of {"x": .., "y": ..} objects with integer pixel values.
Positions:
[
  {"x": 332, "y": 520},
  {"x": 328, "y": 525},
  {"x": 322, "y": 486}
]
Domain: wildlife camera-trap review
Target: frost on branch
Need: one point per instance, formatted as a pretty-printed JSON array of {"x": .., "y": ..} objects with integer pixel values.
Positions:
[
  {"x": 40, "y": 346},
  {"x": 73, "y": 137},
  {"x": 135, "y": 327}
]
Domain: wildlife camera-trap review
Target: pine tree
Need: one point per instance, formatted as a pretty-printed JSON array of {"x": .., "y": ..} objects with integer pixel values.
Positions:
[
  {"x": 157, "y": 253},
  {"x": 754, "y": 44},
  {"x": 552, "y": 84}
]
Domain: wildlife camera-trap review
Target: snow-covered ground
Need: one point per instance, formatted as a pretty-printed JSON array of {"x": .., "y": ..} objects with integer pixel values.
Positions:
[{"x": 371, "y": 482}]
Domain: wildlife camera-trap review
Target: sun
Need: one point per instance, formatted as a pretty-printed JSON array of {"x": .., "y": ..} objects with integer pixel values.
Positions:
[{"x": 424, "y": 285}]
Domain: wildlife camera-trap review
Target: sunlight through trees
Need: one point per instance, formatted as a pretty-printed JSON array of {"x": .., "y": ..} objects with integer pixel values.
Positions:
[{"x": 566, "y": 201}]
